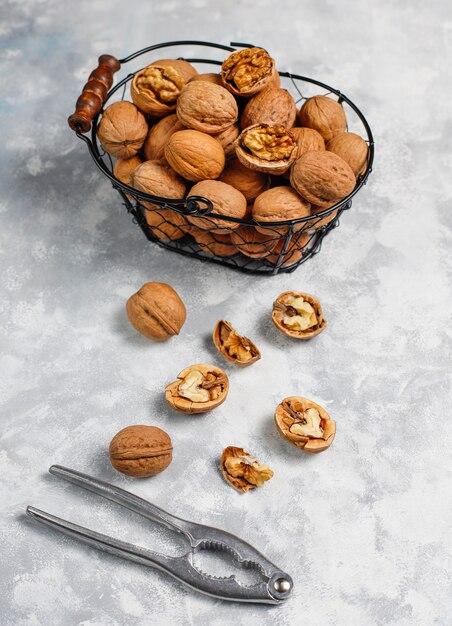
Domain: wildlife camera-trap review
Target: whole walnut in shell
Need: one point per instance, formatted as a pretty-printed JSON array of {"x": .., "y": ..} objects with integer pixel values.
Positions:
[
  {"x": 280, "y": 204},
  {"x": 206, "y": 107},
  {"x": 247, "y": 71},
  {"x": 225, "y": 200},
  {"x": 307, "y": 140},
  {"x": 156, "y": 311},
  {"x": 322, "y": 178},
  {"x": 305, "y": 424},
  {"x": 165, "y": 224},
  {"x": 141, "y": 451},
  {"x": 219, "y": 245},
  {"x": 352, "y": 148},
  {"x": 271, "y": 106},
  {"x": 122, "y": 130},
  {"x": 318, "y": 221},
  {"x": 158, "y": 179},
  {"x": 155, "y": 88},
  {"x": 124, "y": 168},
  {"x": 250, "y": 182},
  {"x": 253, "y": 243},
  {"x": 227, "y": 140},
  {"x": 158, "y": 136},
  {"x": 266, "y": 148},
  {"x": 294, "y": 251},
  {"x": 324, "y": 115},
  {"x": 194, "y": 155}
]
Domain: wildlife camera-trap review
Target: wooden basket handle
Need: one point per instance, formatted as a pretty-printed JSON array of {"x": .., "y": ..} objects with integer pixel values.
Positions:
[{"x": 90, "y": 102}]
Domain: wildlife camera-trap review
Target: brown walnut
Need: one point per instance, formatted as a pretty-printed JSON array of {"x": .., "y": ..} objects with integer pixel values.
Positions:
[
  {"x": 324, "y": 115},
  {"x": 247, "y": 71},
  {"x": 266, "y": 148},
  {"x": 122, "y": 130},
  {"x": 272, "y": 106},
  {"x": 198, "y": 388},
  {"x": 279, "y": 204},
  {"x": 124, "y": 168},
  {"x": 219, "y": 245},
  {"x": 305, "y": 424},
  {"x": 141, "y": 451},
  {"x": 253, "y": 243},
  {"x": 158, "y": 136},
  {"x": 227, "y": 140},
  {"x": 156, "y": 311},
  {"x": 294, "y": 251},
  {"x": 194, "y": 155},
  {"x": 209, "y": 77},
  {"x": 307, "y": 140},
  {"x": 250, "y": 182},
  {"x": 352, "y": 148},
  {"x": 298, "y": 315},
  {"x": 242, "y": 470},
  {"x": 234, "y": 347},
  {"x": 206, "y": 107},
  {"x": 226, "y": 201}
]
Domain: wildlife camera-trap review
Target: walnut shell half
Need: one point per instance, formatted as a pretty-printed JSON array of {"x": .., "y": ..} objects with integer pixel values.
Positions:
[
  {"x": 242, "y": 470},
  {"x": 234, "y": 347},
  {"x": 198, "y": 388},
  {"x": 247, "y": 71},
  {"x": 305, "y": 424},
  {"x": 266, "y": 148},
  {"x": 298, "y": 315},
  {"x": 206, "y": 107}
]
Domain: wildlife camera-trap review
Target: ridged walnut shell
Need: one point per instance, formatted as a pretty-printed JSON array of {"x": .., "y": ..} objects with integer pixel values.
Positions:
[
  {"x": 294, "y": 251},
  {"x": 298, "y": 315},
  {"x": 305, "y": 424},
  {"x": 307, "y": 140},
  {"x": 272, "y": 106},
  {"x": 156, "y": 311},
  {"x": 122, "y": 130},
  {"x": 266, "y": 148},
  {"x": 280, "y": 204},
  {"x": 141, "y": 451},
  {"x": 158, "y": 179},
  {"x": 206, "y": 107},
  {"x": 319, "y": 222},
  {"x": 219, "y": 245},
  {"x": 158, "y": 136},
  {"x": 156, "y": 88},
  {"x": 194, "y": 155},
  {"x": 254, "y": 244},
  {"x": 322, "y": 178},
  {"x": 242, "y": 470},
  {"x": 234, "y": 347},
  {"x": 198, "y": 388},
  {"x": 352, "y": 149},
  {"x": 248, "y": 71},
  {"x": 209, "y": 77},
  {"x": 249, "y": 182},
  {"x": 165, "y": 224},
  {"x": 225, "y": 200},
  {"x": 227, "y": 139},
  {"x": 324, "y": 115},
  {"x": 124, "y": 168}
]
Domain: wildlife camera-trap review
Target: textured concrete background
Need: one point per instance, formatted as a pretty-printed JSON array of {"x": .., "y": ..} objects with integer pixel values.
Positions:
[{"x": 364, "y": 529}]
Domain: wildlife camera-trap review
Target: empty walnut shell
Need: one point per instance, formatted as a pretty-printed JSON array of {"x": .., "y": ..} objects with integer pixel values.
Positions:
[
  {"x": 234, "y": 347},
  {"x": 272, "y": 106},
  {"x": 280, "y": 204},
  {"x": 219, "y": 245},
  {"x": 298, "y": 315},
  {"x": 266, "y": 148},
  {"x": 206, "y": 107},
  {"x": 156, "y": 311},
  {"x": 247, "y": 71},
  {"x": 253, "y": 243},
  {"x": 122, "y": 130},
  {"x": 324, "y": 115},
  {"x": 242, "y": 470},
  {"x": 158, "y": 136},
  {"x": 250, "y": 182},
  {"x": 352, "y": 148},
  {"x": 294, "y": 251},
  {"x": 141, "y": 451},
  {"x": 227, "y": 140},
  {"x": 124, "y": 169},
  {"x": 322, "y": 178},
  {"x": 226, "y": 201},
  {"x": 194, "y": 155},
  {"x": 307, "y": 140},
  {"x": 156, "y": 88},
  {"x": 198, "y": 388},
  {"x": 305, "y": 424}
]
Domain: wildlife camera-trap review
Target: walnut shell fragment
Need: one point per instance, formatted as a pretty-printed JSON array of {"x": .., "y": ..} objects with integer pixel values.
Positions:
[
  {"x": 247, "y": 71},
  {"x": 266, "y": 148},
  {"x": 305, "y": 424},
  {"x": 141, "y": 451},
  {"x": 206, "y": 107},
  {"x": 122, "y": 130},
  {"x": 298, "y": 315},
  {"x": 234, "y": 347},
  {"x": 242, "y": 470},
  {"x": 198, "y": 388}
]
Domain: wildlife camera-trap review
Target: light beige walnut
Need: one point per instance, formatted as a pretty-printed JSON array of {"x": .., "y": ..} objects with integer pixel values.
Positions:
[
  {"x": 206, "y": 107},
  {"x": 294, "y": 251},
  {"x": 322, "y": 178},
  {"x": 352, "y": 149},
  {"x": 198, "y": 388},
  {"x": 280, "y": 204},
  {"x": 307, "y": 140},
  {"x": 227, "y": 139},
  {"x": 248, "y": 71},
  {"x": 235, "y": 348},
  {"x": 250, "y": 182},
  {"x": 226, "y": 201},
  {"x": 156, "y": 88},
  {"x": 124, "y": 169},
  {"x": 122, "y": 130},
  {"x": 141, "y": 451},
  {"x": 194, "y": 155},
  {"x": 242, "y": 470},
  {"x": 158, "y": 136},
  {"x": 324, "y": 115},
  {"x": 298, "y": 315},
  {"x": 266, "y": 148},
  {"x": 254, "y": 244},
  {"x": 271, "y": 106},
  {"x": 305, "y": 424}
]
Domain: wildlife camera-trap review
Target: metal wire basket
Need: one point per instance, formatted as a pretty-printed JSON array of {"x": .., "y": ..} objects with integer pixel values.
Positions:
[{"x": 271, "y": 248}]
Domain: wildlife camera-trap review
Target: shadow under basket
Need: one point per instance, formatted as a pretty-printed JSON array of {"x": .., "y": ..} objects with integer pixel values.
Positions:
[{"x": 187, "y": 226}]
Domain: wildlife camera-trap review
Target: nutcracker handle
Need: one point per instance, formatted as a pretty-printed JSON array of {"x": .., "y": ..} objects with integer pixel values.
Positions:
[{"x": 92, "y": 98}]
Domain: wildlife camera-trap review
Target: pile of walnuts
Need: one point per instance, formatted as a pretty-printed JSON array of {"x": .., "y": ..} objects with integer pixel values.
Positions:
[{"x": 238, "y": 139}]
